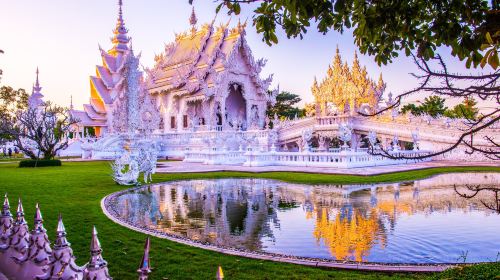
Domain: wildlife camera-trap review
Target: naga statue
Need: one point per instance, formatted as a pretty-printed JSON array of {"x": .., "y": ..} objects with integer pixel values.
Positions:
[{"x": 125, "y": 170}]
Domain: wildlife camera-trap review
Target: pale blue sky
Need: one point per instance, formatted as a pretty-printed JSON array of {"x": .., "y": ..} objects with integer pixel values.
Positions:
[{"x": 61, "y": 37}]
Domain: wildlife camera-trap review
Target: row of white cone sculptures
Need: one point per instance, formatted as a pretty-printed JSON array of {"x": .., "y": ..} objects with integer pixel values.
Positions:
[{"x": 26, "y": 254}]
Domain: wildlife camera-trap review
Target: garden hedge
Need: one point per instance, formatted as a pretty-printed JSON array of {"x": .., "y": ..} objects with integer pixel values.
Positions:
[{"x": 39, "y": 163}]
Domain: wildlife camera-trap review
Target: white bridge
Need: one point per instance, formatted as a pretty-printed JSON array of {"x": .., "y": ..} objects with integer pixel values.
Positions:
[{"x": 332, "y": 141}]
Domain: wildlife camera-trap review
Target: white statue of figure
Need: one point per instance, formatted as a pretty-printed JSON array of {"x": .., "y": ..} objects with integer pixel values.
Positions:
[
  {"x": 447, "y": 122},
  {"x": 394, "y": 113},
  {"x": 345, "y": 134},
  {"x": 125, "y": 170},
  {"x": 427, "y": 118},
  {"x": 254, "y": 123},
  {"x": 372, "y": 138},
  {"x": 273, "y": 138},
  {"x": 395, "y": 143},
  {"x": 415, "y": 137},
  {"x": 306, "y": 137},
  {"x": 147, "y": 161}
]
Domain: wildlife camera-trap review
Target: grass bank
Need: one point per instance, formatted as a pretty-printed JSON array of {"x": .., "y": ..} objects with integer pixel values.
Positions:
[{"x": 76, "y": 188}]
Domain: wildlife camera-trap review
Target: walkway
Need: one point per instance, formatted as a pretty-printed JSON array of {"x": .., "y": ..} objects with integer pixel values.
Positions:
[{"x": 187, "y": 167}]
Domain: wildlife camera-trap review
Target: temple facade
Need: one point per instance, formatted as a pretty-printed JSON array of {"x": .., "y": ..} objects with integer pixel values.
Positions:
[{"x": 208, "y": 79}]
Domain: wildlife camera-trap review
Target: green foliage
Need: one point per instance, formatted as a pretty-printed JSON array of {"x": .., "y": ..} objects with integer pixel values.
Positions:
[
  {"x": 466, "y": 110},
  {"x": 11, "y": 101},
  {"x": 39, "y": 163},
  {"x": 285, "y": 106},
  {"x": 384, "y": 28},
  {"x": 433, "y": 105}
]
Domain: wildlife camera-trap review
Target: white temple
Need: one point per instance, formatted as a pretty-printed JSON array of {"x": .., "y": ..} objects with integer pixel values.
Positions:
[{"x": 205, "y": 101}]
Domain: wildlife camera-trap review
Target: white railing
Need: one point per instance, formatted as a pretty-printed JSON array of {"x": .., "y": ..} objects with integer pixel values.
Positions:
[
  {"x": 343, "y": 159},
  {"x": 215, "y": 157}
]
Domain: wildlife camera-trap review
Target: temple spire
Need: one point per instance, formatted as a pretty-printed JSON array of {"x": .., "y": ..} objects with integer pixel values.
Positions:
[
  {"x": 35, "y": 99},
  {"x": 71, "y": 102},
  {"x": 193, "y": 19},
  {"x": 120, "y": 38}
]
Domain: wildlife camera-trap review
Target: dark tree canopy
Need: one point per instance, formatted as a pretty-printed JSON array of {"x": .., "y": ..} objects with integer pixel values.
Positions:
[
  {"x": 432, "y": 105},
  {"x": 285, "y": 106},
  {"x": 382, "y": 28},
  {"x": 11, "y": 101}
]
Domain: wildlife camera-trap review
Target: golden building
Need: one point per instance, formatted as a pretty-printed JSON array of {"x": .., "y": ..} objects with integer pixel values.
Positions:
[{"x": 346, "y": 89}]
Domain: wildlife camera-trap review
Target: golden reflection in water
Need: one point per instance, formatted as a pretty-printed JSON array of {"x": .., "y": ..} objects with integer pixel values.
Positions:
[{"x": 349, "y": 238}]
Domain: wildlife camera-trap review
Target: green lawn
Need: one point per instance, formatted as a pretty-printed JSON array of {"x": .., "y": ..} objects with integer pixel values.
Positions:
[{"x": 76, "y": 188}]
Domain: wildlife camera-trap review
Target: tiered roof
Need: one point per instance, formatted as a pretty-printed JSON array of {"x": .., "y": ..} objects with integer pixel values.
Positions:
[
  {"x": 106, "y": 84},
  {"x": 197, "y": 57}
]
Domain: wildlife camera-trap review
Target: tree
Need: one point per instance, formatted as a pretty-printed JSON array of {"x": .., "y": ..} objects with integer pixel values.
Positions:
[
  {"x": 465, "y": 110},
  {"x": 39, "y": 132},
  {"x": 285, "y": 106},
  {"x": 383, "y": 28},
  {"x": 11, "y": 101},
  {"x": 433, "y": 105},
  {"x": 1, "y": 72}
]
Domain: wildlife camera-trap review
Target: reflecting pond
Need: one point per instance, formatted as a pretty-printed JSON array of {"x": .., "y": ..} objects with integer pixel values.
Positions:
[{"x": 425, "y": 221}]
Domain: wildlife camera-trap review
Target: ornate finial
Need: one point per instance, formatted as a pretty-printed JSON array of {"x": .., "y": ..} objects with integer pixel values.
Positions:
[
  {"x": 61, "y": 241},
  {"x": 62, "y": 265},
  {"x": 97, "y": 267},
  {"x": 37, "y": 72},
  {"x": 5, "y": 225},
  {"x": 220, "y": 274},
  {"x": 95, "y": 245},
  {"x": 192, "y": 19},
  {"x": 120, "y": 13},
  {"x": 38, "y": 220},
  {"x": 6, "y": 205},
  {"x": 71, "y": 102},
  {"x": 145, "y": 266},
  {"x": 20, "y": 213}
]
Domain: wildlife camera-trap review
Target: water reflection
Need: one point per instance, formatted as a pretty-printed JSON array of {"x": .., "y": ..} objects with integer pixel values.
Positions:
[{"x": 421, "y": 221}]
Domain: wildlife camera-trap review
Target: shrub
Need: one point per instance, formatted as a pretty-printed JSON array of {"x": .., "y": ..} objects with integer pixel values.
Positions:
[{"x": 39, "y": 163}]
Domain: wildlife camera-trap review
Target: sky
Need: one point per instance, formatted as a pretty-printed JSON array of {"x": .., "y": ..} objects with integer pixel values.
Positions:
[{"x": 61, "y": 37}]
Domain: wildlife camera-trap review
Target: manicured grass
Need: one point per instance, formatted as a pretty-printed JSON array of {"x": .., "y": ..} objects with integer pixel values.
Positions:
[{"x": 76, "y": 188}]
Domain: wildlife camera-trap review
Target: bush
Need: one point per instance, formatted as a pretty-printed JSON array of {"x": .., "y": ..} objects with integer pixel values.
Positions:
[{"x": 39, "y": 163}]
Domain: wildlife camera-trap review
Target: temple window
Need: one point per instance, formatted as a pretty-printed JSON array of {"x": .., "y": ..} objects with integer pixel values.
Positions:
[
  {"x": 173, "y": 124},
  {"x": 184, "y": 121}
]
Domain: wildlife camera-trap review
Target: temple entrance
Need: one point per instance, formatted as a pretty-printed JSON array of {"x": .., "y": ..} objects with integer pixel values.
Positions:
[{"x": 236, "y": 108}]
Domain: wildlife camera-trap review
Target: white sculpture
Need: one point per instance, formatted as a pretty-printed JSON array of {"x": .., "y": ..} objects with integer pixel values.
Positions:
[
  {"x": 372, "y": 138},
  {"x": 415, "y": 137},
  {"x": 125, "y": 170},
  {"x": 395, "y": 143},
  {"x": 306, "y": 137},
  {"x": 345, "y": 134}
]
